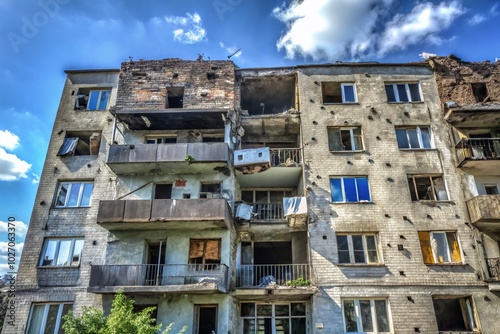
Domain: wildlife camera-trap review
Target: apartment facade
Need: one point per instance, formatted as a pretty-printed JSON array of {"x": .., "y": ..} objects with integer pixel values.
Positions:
[{"x": 307, "y": 199}]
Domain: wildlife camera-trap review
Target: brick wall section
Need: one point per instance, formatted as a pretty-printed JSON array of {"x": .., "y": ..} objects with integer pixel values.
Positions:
[{"x": 143, "y": 84}]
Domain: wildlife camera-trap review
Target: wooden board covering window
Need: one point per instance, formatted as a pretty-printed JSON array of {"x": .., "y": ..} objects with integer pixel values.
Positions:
[
  {"x": 206, "y": 249},
  {"x": 425, "y": 244}
]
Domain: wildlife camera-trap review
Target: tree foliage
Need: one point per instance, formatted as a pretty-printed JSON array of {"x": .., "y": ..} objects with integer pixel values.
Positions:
[{"x": 121, "y": 320}]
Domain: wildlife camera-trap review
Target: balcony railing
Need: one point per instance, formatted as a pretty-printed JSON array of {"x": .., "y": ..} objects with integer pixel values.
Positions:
[
  {"x": 285, "y": 157},
  {"x": 494, "y": 268},
  {"x": 144, "y": 275},
  {"x": 478, "y": 149},
  {"x": 268, "y": 212},
  {"x": 265, "y": 275}
]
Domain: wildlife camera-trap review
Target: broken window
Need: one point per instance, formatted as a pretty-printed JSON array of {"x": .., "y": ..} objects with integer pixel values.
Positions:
[
  {"x": 414, "y": 137},
  {"x": 61, "y": 252},
  {"x": 163, "y": 191},
  {"x": 88, "y": 99},
  {"x": 205, "y": 319},
  {"x": 366, "y": 316},
  {"x": 350, "y": 189},
  {"x": 47, "y": 317},
  {"x": 480, "y": 91},
  {"x": 358, "y": 248},
  {"x": 491, "y": 189},
  {"x": 336, "y": 92},
  {"x": 80, "y": 143},
  {"x": 427, "y": 188},
  {"x": 204, "y": 252},
  {"x": 210, "y": 190},
  {"x": 74, "y": 194},
  {"x": 403, "y": 92},
  {"x": 175, "y": 97},
  {"x": 161, "y": 139},
  {"x": 455, "y": 314},
  {"x": 345, "y": 139},
  {"x": 439, "y": 247},
  {"x": 268, "y": 95},
  {"x": 273, "y": 318}
]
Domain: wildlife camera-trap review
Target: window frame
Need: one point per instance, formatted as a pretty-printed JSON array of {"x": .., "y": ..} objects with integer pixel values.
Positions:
[
  {"x": 82, "y": 92},
  {"x": 358, "y": 318},
  {"x": 159, "y": 139},
  {"x": 59, "y": 317},
  {"x": 352, "y": 260},
  {"x": 342, "y": 86},
  {"x": 342, "y": 184},
  {"x": 397, "y": 98},
  {"x": 431, "y": 177},
  {"x": 68, "y": 194},
  {"x": 447, "y": 246},
  {"x": 472, "y": 320},
  {"x": 418, "y": 129},
  {"x": 273, "y": 315},
  {"x": 352, "y": 137},
  {"x": 71, "y": 252}
]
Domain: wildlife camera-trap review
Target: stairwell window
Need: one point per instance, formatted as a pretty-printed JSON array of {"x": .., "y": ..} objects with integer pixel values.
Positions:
[
  {"x": 427, "y": 188},
  {"x": 366, "y": 316},
  {"x": 74, "y": 194},
  {"x": 414, "y": 138},
  {"x": 440, "y": 247},
  {"x": 344, "y": 139},
  {"x": 336, "y": 92},
  {"x": 349, "y": 189},
  {"x": 403, "y": 92},
  {"x": 47, "y": 318},
  {"x": 61, "y": 253},
  {"x": 358, "y": 248}
]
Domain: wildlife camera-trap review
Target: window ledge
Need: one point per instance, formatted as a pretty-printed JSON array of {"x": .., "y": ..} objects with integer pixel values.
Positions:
[
  {"x": 370, "y": 202},
  {"x": 409, "y": 102},
  {"x": 58, "y": 267},
  {"x": 417, "y": 149},
  {"x": 450, "y": 264},
  {"x": 360, "y": 265},
  {"x": 432, "y": 201},
  {"x": 70, "y": 207},
  {"x": 348, "y": 151},
  {"x": 340, "y": 103}
]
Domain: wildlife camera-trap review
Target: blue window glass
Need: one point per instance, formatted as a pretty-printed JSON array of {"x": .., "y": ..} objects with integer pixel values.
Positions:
[
  {"x": 402, "y": 138},
  {"x": 349, "y": 95},
  {"x": 103, "y": 101},
  {"x": 336, "y": 188},
  {"x": 363, "y": 189},
  {"x": 350, "y": 189},
  {"x": 351, "y": 195},
  {"x": 93, "y": 99}
]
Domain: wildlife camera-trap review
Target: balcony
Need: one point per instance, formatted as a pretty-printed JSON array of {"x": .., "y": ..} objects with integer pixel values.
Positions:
[
  {"x": 162, "y": 278},
  {"x": 477, "y": 115},
  {"x": 493, "y": 273},
  {"x": 161, "y": 214},
  {"x": 184, "y": 158},
  {"x": 484, "y": 211},
  {"x": 482, "y": 154},
  {"x": 268, "y": 167},
  {"x": 267, "y": 213},
  {"x": 292, "y": 210},
  {"x": 292, "y": 280}
]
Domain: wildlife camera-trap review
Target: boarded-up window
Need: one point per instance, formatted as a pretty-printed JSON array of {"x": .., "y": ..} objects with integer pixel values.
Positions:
[
  {"x": 439, "y": 247},
  {"x": 204, "y": 251}
]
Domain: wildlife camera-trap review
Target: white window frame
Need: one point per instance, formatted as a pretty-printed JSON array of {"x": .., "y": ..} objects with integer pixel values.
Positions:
[
  {"x": 71, "y": 184},
  {"x": 344, "y": 199},
  {"x": 56, "y": 253},
  {"x": 419, "y": 136},
  {"x": 99, "y": 92},
  {"x": 342, "y": 92},
  {"x": 357, "y": 309},
  {"x": 407, "y": 89},
  {"x": 45, "y": 315},
  {"x": 160, "y": 139},
  {"x": 274, "y": 317},
  {"x": 365, "y": 248},
  {"x": 434, "y": 254},
  {"x": 351, "y": 135}
]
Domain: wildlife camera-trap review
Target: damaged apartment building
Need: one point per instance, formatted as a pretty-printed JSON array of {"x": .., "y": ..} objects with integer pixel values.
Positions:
[{"x": 304, "y": 199}]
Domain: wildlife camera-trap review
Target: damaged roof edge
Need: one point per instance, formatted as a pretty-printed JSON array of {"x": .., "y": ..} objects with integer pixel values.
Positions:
[
  {"x": 363, "y": 64},
  {"x": 92, "y": 70}
]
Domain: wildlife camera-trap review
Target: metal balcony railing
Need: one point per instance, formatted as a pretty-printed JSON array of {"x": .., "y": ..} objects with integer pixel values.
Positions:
[
  {"x": 157, "y": 274},
  {"x": 494, "y": 268},
  {"x": 285, "y": 157},
  {"x": 268, "y": 211},
  {"x": 478, "y": 148},
  {"x": 263, "y": 275}
]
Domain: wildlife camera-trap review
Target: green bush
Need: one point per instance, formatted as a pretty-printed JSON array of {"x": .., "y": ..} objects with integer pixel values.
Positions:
[{"x": 298, "y": 282}]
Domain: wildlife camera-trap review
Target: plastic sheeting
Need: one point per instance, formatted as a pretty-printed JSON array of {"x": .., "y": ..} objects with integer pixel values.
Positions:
[{"x": 68, "y": 147}]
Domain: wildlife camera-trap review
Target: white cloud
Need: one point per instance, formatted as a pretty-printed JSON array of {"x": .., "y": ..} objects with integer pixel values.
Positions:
[
  {"x": 4, "y": 257},
  {"x": 494, "y": 9},
  {"x": 36, "y": 178},
  {"x": 476, "y": 19},
  {"x": 231, "y": 50},
  {"x": 189, "y": 28},
  {"x": 8, "y": 140},
  {"x": 11, "y": 167},
  {"x": 20, "y": 228},
  {"x": 423, "y": 23},
  {"x": 338, "y": 29}
]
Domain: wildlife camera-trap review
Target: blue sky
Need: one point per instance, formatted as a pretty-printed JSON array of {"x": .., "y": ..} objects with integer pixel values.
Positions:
[{"x": 39, "y": 39}]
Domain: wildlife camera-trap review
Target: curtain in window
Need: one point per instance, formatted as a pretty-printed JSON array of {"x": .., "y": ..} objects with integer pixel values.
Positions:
[{"x": 68, "y": 147}]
